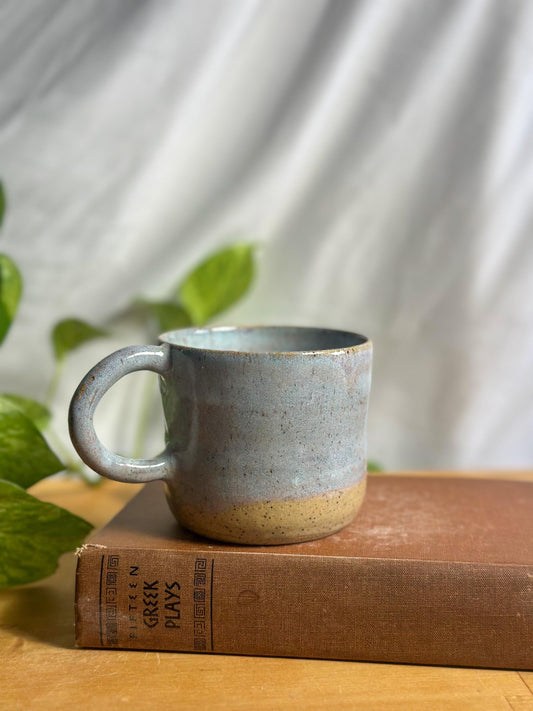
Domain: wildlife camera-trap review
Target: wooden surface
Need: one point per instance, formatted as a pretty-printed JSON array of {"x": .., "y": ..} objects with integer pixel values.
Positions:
[{"x": 41, "y": 669}]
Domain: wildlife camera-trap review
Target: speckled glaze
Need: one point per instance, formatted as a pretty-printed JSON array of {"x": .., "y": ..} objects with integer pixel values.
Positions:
[{"x": 265, "y": 429}]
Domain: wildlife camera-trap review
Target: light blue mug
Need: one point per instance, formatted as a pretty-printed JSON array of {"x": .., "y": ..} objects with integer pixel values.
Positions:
[{"x": 265, "y": 428}]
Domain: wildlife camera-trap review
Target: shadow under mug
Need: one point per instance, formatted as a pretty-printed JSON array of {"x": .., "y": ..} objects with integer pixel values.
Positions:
[{"x": 265, "y": 428}]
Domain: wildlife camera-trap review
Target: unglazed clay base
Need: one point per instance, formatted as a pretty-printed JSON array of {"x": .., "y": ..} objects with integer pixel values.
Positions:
[{"x": 276, "y": 522}]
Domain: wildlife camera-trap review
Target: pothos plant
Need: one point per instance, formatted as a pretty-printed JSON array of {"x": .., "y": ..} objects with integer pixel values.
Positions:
[{"x": 33, "y": 533}]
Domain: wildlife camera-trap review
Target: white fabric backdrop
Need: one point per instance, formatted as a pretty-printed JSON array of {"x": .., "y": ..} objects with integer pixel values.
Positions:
[{"x": 380, "y": 151}]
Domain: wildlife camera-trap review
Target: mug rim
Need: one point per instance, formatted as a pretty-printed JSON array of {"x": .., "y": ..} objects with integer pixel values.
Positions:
[{"x": 364, "y": 343}]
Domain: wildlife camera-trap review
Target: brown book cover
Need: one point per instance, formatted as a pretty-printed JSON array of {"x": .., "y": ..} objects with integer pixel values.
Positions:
[{"x": 433, "y": 570}]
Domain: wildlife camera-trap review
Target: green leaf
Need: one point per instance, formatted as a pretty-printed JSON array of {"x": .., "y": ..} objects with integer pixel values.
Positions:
[
  {"x": 72, "y": 333},
  {"x": 373, "y": 466},
  {"x": 168, "y": 314},
  {"x": 25, "y": 457},
  {"x": 2, "y": 203},
  {"x": 33, "y": 534},
  {"x": 10, "y": 292},
  {"x": 38, "y": 413},
  {"x": 218, "y": 282}
]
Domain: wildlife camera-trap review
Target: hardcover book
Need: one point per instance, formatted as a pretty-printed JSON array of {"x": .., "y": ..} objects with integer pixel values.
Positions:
[{"x": 433, "y": 570}]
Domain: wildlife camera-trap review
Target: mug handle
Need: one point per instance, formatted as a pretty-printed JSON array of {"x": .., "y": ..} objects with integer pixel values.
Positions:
[{"x": 87, "y": 396}]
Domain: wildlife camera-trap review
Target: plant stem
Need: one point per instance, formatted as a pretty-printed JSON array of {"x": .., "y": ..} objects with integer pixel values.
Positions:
[
  {"x": 63, "y": 452},
  {"x": 145, "y": 412},
  {"x": 54, "y": 382},
  {"x": 71, "y": 465}
]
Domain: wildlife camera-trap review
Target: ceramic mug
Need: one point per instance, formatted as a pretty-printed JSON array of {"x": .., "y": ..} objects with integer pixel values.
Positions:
[{"x": 265, "y": 429}]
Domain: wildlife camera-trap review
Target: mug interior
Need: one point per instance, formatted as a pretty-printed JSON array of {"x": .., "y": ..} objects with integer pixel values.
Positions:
[{"x": 264, "y": 339}]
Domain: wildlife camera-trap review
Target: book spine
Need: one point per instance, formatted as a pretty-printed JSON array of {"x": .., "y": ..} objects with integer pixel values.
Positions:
[{"x": 306, "y": 606}]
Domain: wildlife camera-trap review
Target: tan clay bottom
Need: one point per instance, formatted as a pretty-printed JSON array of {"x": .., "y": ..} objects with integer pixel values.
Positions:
[{"x": 276, "y": 522}]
